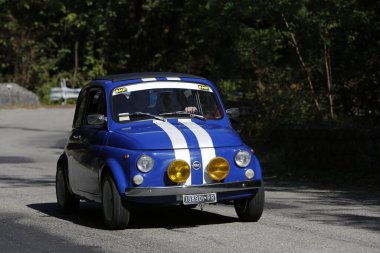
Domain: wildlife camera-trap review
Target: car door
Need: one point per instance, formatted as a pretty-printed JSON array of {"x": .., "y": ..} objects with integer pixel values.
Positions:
[
  {"x": 75, "y": 143},
  {"x": 89, "y": 139}
]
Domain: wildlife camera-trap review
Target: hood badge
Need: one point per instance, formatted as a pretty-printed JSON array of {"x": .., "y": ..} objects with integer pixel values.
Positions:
[{"x": 196, "y": 165}]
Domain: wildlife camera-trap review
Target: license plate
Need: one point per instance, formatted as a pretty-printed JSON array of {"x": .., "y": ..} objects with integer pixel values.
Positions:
[{"x": 199, "y": 198}]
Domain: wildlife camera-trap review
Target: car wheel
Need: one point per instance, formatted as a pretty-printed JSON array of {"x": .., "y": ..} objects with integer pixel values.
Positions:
[
  {"x": 250, "y": 209},
  {"x": 65, "y": 199},
  {"x": 115, "y": 212}
]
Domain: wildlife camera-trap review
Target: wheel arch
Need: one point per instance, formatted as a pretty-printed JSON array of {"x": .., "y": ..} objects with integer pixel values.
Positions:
[
  {"x": 62, "y": 160},
  {"x": 116, "y": 170}
]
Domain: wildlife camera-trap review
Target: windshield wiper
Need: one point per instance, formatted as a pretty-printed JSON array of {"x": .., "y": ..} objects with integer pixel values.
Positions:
[
  {"x": 141, "y": 114},
  {"x": 192, "y": 115}
]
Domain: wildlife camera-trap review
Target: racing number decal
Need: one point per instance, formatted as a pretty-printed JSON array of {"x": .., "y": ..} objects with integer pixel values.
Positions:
[
  {"x": 203, "y": 87},
  {"x": 120, "y": 90}
]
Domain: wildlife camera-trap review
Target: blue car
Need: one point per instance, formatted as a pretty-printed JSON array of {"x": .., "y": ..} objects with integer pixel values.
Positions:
[{"x": 156, "y": 138}]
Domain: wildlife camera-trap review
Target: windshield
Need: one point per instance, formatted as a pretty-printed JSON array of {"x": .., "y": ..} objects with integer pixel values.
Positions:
[{"x": 129, "y": 103}]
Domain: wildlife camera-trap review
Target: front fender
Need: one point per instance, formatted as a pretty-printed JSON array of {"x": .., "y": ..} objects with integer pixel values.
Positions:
[
  {"x": 119, "y": 174},
  {"x": 257, "y": 167}
]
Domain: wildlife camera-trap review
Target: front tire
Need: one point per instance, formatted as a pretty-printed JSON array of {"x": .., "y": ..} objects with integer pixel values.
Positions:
[
  {"x": 115, "y": 213},
  {"x": 251, "y": 209},
  {"x": 67, "y": 202}
]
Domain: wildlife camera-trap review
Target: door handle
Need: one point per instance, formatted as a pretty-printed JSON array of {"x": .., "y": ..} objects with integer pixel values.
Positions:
[{"x": 77, "y": 137}]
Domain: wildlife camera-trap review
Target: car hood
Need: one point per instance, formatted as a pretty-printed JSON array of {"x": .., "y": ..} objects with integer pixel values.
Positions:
[{"x": 153, "y": 135}]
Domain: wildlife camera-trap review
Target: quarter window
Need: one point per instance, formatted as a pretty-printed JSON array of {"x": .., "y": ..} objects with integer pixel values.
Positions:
[{"x": 80, "y": 109}]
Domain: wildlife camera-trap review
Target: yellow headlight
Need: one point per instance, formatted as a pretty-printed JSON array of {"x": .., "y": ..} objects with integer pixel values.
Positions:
[
  {"x": 218, "y": 168},
  {"x": 178, "y": 171}
]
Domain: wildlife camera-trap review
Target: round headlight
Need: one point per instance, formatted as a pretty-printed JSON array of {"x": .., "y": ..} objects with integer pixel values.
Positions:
[
  {"x": 242, "y": 158},
  {"x": 218, "y": 168},
  {"x": 145, "y": 163},
  {"x": 178, "y": 171}
]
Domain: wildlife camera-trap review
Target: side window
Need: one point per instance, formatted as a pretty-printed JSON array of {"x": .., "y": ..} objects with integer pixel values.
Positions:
[
  {"x": 96, "y": 103},
  {"x": 81, "y": 104}
]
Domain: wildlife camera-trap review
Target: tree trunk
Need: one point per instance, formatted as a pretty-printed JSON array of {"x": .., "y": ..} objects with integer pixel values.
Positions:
[
  {"x": 75, "y": 62},
  {"x": 329, "y": 79},
  {"x": 300, "y": 58}
]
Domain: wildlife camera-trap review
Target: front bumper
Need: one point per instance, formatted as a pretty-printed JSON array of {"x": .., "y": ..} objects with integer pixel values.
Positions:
[{"x": 173, "y": 194}]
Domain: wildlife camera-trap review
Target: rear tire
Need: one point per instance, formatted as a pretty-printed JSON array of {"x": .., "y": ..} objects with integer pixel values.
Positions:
[
  {"x": 67, "y": 202},
  {"x": 115, "y": 212},
  {"x": 251, "y": 209}
]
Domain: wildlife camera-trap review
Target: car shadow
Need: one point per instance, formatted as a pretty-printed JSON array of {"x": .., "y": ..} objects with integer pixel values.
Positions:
[
  {"x": 90, "y": 215},
  {"x": 173, "y": 217}
]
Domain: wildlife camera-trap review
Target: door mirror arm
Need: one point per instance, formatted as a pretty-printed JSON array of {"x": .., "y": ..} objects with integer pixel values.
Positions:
[
  {"x": 96, "y": 119},
  {"x": 233, "y": 113}
]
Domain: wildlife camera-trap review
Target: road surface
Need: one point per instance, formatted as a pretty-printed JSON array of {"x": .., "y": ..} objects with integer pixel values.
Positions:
[{"x": 296, "y": 219}]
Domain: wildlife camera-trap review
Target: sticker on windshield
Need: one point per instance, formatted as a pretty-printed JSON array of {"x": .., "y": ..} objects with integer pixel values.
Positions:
[
  {"x": 123, "y": 118},
  {"x": 119, "y": 90},
  {"x": 203, "y": 87}
]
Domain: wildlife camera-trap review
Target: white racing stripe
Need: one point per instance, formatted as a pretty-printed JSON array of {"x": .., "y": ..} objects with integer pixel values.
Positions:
[
  {"x": 181, "y": 150},
  {"x": 173, "y": 78},
  {"x": 205, "y": 144},
  {"x": 149, "y": 79}
]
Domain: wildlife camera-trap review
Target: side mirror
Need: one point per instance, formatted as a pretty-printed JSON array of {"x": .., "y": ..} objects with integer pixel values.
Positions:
[
  {"x": 233, "y": 113},
  {"x": 96, "y": 119}
]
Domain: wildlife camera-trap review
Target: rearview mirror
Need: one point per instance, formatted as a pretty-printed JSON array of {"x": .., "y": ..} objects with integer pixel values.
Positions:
[
  {"x": 233, "y": 113},
  {"x": 96, "y": 119}
]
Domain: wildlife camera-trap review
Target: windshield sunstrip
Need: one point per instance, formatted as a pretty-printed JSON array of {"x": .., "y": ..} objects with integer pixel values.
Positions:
[{"x": 161, "y": 85}]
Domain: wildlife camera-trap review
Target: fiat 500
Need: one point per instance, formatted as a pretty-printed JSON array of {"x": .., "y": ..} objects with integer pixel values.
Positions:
[{"x": 156, "y": 138}]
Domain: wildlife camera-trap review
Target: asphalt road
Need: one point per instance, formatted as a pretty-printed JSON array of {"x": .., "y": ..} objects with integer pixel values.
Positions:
[{"x": 297, "y": 218}]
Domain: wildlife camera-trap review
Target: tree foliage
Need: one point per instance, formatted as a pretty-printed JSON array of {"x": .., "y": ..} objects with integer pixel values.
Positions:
[{"x": 288, "y": 61}]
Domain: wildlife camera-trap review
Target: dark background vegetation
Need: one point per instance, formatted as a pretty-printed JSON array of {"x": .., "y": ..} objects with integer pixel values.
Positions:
[{"x": 304, "y": 73}]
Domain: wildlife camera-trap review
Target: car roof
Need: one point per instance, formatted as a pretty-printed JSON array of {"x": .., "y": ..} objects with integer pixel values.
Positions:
[{"x": 129, "y": 76}]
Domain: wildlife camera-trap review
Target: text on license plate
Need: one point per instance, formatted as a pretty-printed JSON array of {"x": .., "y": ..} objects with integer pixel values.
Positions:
[{"x": 199, "y": 198}]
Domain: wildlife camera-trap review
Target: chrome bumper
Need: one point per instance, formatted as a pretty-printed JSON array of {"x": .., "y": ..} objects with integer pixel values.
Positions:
[{"x": 198, "y": 189}]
